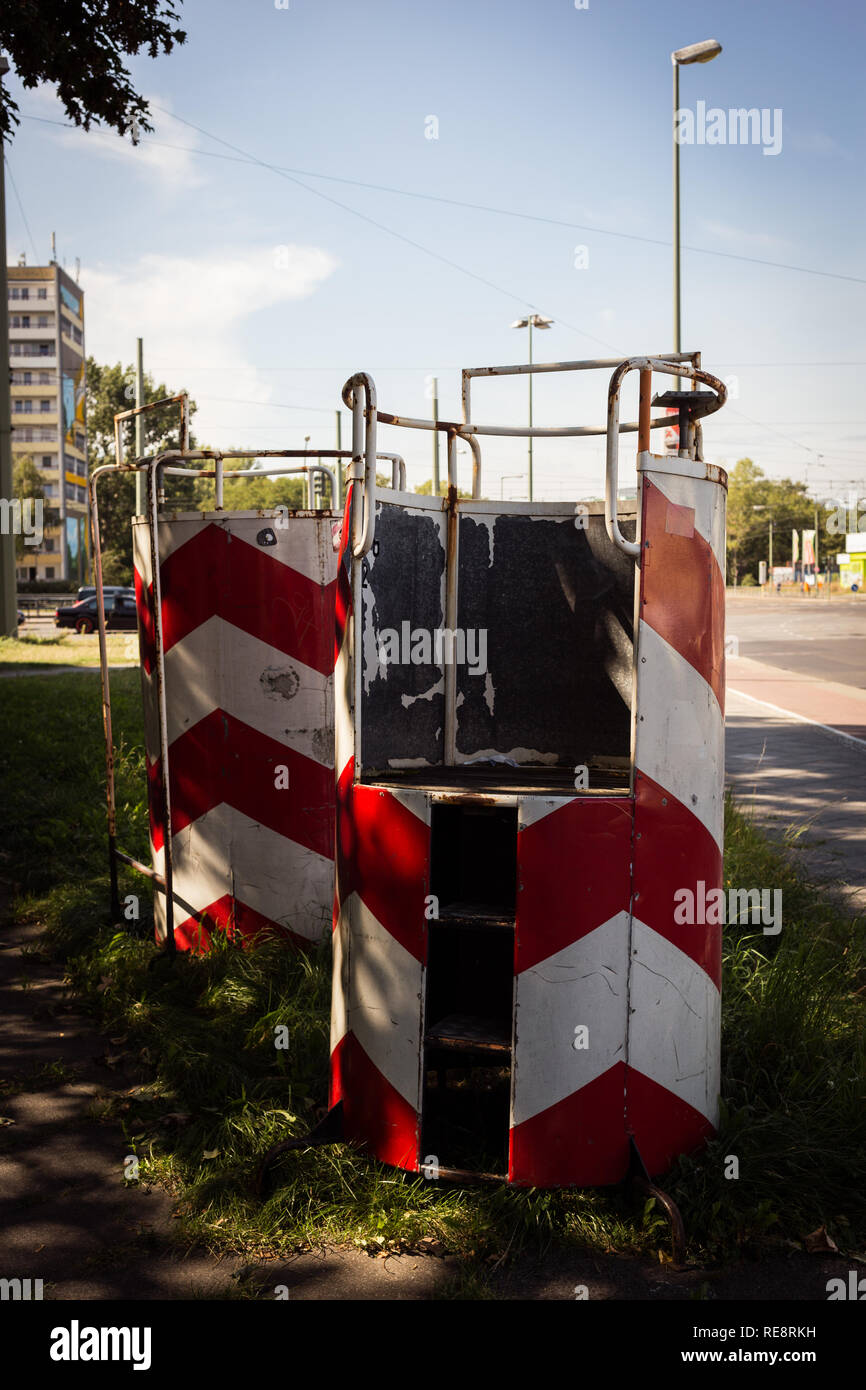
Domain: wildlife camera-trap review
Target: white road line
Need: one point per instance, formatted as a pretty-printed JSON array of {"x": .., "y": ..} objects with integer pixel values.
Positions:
[{"x": 801, "y": 718}]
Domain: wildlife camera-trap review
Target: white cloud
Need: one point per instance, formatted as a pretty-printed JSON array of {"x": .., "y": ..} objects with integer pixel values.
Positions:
[
  {"x": 173, "y": 167},
  {"x": 188, "y": 311},
  {"x": 169, "y": 168}
]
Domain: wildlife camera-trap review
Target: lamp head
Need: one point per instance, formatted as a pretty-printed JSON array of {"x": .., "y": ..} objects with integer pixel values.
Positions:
[{"x": 703, "y": 52}]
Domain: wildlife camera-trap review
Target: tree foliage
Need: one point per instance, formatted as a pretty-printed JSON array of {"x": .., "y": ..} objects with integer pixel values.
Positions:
[
  {"x": 753, "y": 499},
  {"x": 111, "y": 390},
  {"x": 27, "y": 482},
  {"x": 79, "y": 46}
]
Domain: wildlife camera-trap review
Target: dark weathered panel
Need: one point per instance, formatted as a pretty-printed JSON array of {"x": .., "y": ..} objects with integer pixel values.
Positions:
[
  {"x": 557, "y": 605},
  {"x": 403, "y": 705}
]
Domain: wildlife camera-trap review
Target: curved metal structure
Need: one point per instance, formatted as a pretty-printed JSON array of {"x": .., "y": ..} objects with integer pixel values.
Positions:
[{"x": 529, "y": 766}]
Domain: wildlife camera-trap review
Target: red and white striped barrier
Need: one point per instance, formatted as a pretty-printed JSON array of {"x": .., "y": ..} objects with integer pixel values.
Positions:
[
  {"x": 597, "y": 947},
  {"x": 247, "y": 617},
  {"x": 597, "y": 941}
]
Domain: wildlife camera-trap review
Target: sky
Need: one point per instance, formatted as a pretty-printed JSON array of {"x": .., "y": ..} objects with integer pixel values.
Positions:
[{"x": 333, "y": 188}]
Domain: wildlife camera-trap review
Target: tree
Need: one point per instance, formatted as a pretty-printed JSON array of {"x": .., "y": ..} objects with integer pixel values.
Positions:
[
  {"x": 26, "y": 483},
  {"x": 425, "y": 489},
  {"x": 78, "y": 45},
  {"x": 753, "y": 500},
  {"x": 255, "y": 494},
  {"x": 111, "y": 390}
]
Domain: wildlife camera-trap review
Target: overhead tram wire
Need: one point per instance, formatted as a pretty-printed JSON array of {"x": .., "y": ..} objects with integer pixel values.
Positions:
[
  {"x": 21, "y": 209},
  {"x": 243, "y": 158}
]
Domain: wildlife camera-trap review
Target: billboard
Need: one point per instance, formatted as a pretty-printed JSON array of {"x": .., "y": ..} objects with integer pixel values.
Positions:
[{"x": 73, "y": 403}]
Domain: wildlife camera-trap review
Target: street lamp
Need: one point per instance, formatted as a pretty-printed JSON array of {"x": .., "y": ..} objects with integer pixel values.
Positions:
[
  {"x": 703, "y": 52},
  {"x": 530, "y": 322}
]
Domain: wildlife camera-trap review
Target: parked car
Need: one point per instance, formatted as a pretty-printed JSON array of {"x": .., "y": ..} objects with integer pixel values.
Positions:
[
  {"x": 88, "y": 591},
  {"x": 120, "y": 613}
]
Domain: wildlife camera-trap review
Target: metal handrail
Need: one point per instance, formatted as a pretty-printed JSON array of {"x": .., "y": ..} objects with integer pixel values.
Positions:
[
  {"x": 646, "y": 366},
  {"x": 182, "y": 399},
  {"x": 688, "y": 362},
  {"x": 169, "y": 462},
  {"x": 364, "y": 418}
]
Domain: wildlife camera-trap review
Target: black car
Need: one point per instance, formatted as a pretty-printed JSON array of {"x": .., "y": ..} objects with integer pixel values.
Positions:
[
  {"x": 120, "y": 613},
  {"x": 88, "y": 591}
]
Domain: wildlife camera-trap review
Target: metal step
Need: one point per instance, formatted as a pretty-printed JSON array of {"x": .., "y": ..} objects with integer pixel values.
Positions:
[{"x": 468, "y": 1033}]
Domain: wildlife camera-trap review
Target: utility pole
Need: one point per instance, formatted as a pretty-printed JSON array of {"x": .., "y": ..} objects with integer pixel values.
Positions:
[
  {"x": 531, "y": 321},
  {"x": 140, "y": 498},
  {"x": 337, "y": 502},
  {"x": 703, "y": 52},
  {"x": 771, "y": 550},
  {"x": 8, "y": 583},
  {"x": 435, "y": 437}
]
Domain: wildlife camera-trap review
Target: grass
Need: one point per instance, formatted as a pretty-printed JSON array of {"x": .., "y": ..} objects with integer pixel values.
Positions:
[
  {"x": 220, "y": 1093},
  {"x": 65, "y": 648}
]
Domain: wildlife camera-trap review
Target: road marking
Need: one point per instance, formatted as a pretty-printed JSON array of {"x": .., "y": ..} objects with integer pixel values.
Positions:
[{"x": 801, "y": 718}]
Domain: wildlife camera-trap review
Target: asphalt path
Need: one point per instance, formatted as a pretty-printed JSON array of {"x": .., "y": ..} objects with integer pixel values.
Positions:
[
  {"x": 808, "y": 637},
  {"x": 796, "y": 729}
]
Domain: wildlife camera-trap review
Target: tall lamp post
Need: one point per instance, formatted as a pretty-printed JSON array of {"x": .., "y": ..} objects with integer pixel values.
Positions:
[
  {"x": 703, "y": 52},
  {"x": 530, "y": 322}
]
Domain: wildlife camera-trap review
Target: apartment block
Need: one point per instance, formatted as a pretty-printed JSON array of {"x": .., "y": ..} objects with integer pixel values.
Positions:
[{"x": 47, "y": 373}]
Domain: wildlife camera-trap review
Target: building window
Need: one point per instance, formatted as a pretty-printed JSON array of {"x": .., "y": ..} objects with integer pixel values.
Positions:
[
  {"x": 49, "y": 573},
  {"x": 44, "y": 321},
  {"x": 45, "y": 407},
  {"x": 44, "y": 378},
  {"x": 13, "y": 292},
  {"x": 25, "y": 293},
  {"x": 43, "y": 294},
  {"x": 23, "y": 406},
  {"x": 47, "y": 460},
  {"x": 45, "y": 349}
]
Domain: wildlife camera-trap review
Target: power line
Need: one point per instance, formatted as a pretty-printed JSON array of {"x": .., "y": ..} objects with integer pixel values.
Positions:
[
  {"x": 21, "y": 209},
  {"x": 241, "y": 157},
  {"x": 445, "y": 260},
  {"x": 265, "y": 405}
]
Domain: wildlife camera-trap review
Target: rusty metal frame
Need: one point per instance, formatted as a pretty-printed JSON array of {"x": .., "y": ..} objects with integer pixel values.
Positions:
[
  {"x": 182, "y": 400},
  {"x": 359, "y": 395},
  {"x": 366, "y": 415},
  {"x": 646, "y": 366},
  {"x": 171, "y": 464}
]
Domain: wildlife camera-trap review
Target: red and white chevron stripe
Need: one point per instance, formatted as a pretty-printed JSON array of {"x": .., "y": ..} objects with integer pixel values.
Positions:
[
  {"x": 596, "y": 945},
  {"x": 248, "y": 656},
  {"x": 382, "y": 876},
  {"x": 672, "y": 1084}
]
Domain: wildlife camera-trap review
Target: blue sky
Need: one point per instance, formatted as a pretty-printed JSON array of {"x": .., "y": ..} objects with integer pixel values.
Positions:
[{"x": 542, "y": 108}]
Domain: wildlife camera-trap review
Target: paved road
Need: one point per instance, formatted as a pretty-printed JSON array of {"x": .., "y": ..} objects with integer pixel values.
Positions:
[
  {"x": 796, "y": 729},
  {"x": 809, "y": 637}
]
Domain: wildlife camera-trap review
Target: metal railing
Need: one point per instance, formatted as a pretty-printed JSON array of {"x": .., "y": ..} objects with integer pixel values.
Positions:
[
  {"x": 359, "y": 394},
  {"x": 171, "y": 463}
]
